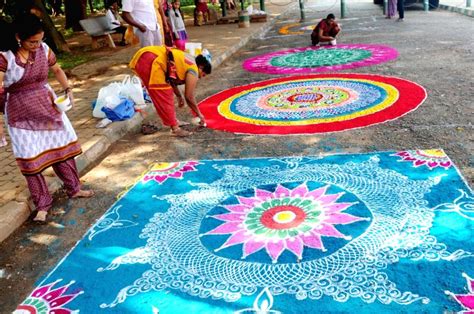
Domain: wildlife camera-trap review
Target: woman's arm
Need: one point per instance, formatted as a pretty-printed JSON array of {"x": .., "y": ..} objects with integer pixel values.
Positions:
[
  {"x": 62, "y": 79},
  {"x": 189, "y": 88},
  {"x": 177, "y": 92}
]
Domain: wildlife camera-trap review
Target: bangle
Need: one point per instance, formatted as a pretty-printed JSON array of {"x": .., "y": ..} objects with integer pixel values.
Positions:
[{"x": 67, "y": 90}]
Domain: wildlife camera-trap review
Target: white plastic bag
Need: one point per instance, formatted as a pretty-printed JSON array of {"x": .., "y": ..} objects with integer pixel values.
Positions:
[
  {"x": 132, "y": 88},
  {"x": 107, "y": 95}
]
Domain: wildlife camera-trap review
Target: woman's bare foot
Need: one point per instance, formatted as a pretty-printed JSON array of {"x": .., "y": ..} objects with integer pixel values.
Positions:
[
  {"x": 83, "y": 194},
  {"x": 40, "y": 216},
  {"x": 180, "y": 132}
]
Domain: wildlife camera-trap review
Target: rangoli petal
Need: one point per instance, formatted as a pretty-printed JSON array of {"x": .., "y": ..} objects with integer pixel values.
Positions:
[
  {"x": 237, "y": 217},
  {"x": 295, "y": 245},
  {"x": 329, "y": 198},
  {"x": 300, "y": 190},
  {"x": 274, "y": 249},
  {"x": 237, "y": 238},
  {"x": 239, "y": 208},
  {"x": 252, "y": 246},
  {"x": 226, "y": 228},
  {"x": 342, "y": 219},
  {"x": 281, "y": 191},
  {"x": 315, "y": 194},
  {"x": 314, "y": 241},
  {"x": 329, "y": 231}
]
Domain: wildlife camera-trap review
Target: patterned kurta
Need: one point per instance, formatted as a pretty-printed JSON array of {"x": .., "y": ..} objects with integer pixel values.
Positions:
[{"x": 40, "y": 134}]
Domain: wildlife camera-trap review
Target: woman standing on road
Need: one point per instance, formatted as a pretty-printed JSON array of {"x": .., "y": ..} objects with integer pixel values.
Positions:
[{"x": 41, "y": 135}]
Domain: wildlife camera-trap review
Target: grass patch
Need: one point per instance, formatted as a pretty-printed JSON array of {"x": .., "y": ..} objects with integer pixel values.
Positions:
[{"x": 69, "y": 60}]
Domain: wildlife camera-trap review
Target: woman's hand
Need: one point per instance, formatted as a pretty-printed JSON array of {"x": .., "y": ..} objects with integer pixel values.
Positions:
[
  {"x": 180, "y": 102},
  {"x": 202, "y": 121},
  {"x": 70, "y": 96}
]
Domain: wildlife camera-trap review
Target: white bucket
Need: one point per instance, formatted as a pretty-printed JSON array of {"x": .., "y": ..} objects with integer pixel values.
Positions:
[
  {"x": 63, "y": 103},
  {"x": 193, "y": 49}
]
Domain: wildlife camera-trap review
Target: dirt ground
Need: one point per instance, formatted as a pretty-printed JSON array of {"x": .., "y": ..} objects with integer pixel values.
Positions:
[{"x": 436, "y": 51}]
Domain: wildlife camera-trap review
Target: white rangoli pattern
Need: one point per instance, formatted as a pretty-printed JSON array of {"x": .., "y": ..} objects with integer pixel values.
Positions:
[{"x": 399, "y": 229}]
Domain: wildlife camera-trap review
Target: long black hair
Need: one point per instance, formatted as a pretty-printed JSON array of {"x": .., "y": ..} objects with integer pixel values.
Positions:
[{"x": 24, "y": 26}]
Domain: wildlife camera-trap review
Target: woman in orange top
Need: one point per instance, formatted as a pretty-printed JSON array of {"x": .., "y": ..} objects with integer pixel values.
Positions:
[{"x": 151, "y": 65}]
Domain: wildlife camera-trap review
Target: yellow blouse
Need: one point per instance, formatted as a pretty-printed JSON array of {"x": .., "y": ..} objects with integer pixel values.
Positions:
[{"x": 184, "y": 64}]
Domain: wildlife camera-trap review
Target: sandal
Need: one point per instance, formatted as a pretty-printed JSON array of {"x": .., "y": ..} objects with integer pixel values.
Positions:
[
  {"x": 40, "y": 216},
  {"x": 180, "y": 132},
  {"x": 84, "y": 194},
  {"x": 149, "y": 129}
]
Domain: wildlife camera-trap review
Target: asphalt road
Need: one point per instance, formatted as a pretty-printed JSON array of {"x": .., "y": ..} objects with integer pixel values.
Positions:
[{"x": 436, "y": 51}]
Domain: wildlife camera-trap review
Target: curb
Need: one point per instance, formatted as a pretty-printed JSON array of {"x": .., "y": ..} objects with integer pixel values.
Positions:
[
  {"x": 17, "y": 211},
  {"x": 463, "y": 11}
]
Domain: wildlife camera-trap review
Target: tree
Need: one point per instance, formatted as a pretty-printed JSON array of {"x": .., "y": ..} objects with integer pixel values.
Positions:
[
  {"x": 91, "y": 6},
  {"x": 56, "y": 39},
  {"x": 75, "y": 11},
  {"x": 19, "y": 7}
]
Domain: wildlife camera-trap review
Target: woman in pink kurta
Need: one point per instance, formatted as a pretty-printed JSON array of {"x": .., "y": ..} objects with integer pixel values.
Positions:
[{"x": 41, "y": 135}]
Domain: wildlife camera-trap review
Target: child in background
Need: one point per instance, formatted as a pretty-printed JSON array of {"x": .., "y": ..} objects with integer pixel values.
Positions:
[{"x": 177, "y": 25}]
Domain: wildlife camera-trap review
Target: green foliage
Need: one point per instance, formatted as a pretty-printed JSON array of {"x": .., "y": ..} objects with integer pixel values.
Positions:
[
  {"x": 67, "y": 33},
  {"x": 186, "y": 3},
  {"x": 189, "y": 9},
  {"x": 69, "y": 60}
]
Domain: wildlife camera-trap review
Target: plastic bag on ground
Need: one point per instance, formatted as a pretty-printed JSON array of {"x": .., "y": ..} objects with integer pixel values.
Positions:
[
  {"x": 108, "y": 93},
  {"x": 132, "y": 88},
  {"x": 123, "y": 111}
]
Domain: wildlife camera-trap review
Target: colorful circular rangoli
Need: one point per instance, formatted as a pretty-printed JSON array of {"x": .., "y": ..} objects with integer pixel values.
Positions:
[
  {"x": 311, "y": 104},
  {"x": 319, "y": 59}
]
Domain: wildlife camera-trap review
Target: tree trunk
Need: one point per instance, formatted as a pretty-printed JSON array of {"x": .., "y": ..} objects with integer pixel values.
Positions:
[
  {"x": 91, "y": 6},
  {"x": 75, "y": 11},
  {"x": 55, "y": 39}
]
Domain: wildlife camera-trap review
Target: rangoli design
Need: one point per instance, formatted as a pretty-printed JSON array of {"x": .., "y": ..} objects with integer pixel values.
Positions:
[
  {"x": 281, "y": 235},
  {"x": 283, "y": 220},
  {"x": 430, "y": 158},
  {"x": 48, "y": 299},
  {"x": 297, "y": 29},
  {"x": 466, "y": 300},
  {"x": 162, "y": 171},
  {"x": 306, "y": 60},
  {"x": 311, "y": 104}
]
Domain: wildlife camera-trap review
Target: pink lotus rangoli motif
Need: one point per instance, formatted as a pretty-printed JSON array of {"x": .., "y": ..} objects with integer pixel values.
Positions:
[
  {"x": 465, "y": 300},
  {"x": 286, "y": 219},
  {"x": 163, "y": 171},
  {"x": 48, "y": 301},
  {"x": 431, "y": 158}
]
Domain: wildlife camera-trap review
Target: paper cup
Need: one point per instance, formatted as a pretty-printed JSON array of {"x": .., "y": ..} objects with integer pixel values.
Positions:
[{"x": 63, "y": 103}]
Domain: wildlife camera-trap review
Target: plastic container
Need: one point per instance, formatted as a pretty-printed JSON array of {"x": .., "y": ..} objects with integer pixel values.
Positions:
[
  {"x": 193, "y": 49},
  {"x": 63, "y": 103}
]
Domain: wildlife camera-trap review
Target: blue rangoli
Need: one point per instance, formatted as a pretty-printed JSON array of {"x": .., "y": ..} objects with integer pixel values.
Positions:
[{"x": 369, "y": 233}]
